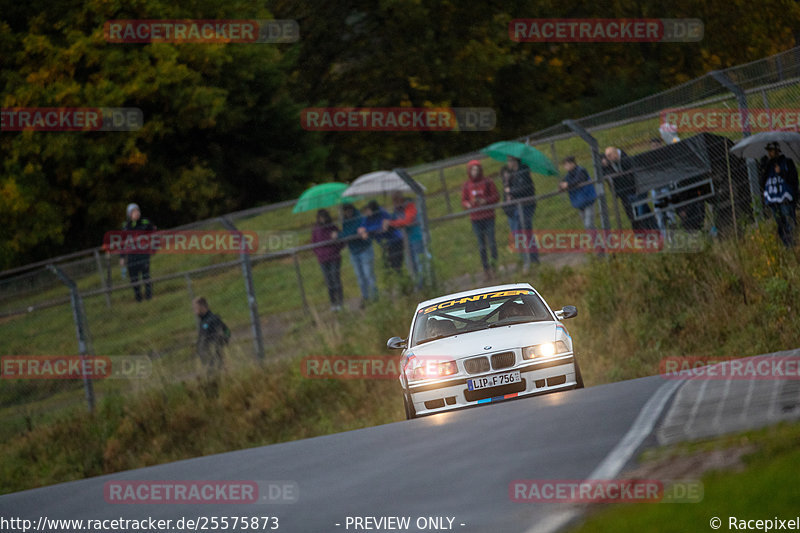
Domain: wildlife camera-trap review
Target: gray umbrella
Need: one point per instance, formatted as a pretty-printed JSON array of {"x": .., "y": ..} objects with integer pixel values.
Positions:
[
  {"x": 753, "y": 146},
  {"x": 378, "y": 182}
]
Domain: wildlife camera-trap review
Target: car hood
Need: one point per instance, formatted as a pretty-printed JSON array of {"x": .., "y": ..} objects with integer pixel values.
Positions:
[{"x": 500, "y": 339}]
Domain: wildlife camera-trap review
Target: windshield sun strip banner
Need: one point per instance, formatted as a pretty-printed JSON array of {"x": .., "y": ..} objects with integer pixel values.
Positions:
[{"x": 474, "y": 298}]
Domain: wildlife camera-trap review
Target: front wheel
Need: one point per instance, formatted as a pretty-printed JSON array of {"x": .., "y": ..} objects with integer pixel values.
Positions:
[{"x": 578, "y": 376}]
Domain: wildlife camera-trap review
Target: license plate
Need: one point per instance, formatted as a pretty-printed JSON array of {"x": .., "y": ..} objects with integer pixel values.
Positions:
[{"x": 494, "y": 381}]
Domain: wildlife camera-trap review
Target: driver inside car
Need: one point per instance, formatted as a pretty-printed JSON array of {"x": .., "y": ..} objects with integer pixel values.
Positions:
[
  {"x": 513, "y": 309},
  {"x": 436, "y": 327}
]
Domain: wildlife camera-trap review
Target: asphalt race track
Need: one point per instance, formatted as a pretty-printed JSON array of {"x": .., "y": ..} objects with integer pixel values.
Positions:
[{"x": 455, "y": 465}]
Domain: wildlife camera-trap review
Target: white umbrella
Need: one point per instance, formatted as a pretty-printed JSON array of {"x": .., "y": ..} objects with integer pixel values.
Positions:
[
  {"x": 379, "y": 182},
  {"x": 753, "y": 146}
]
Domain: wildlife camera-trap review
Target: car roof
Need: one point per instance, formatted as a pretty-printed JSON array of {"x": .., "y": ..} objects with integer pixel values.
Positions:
[{"x": 495, "y": 288}]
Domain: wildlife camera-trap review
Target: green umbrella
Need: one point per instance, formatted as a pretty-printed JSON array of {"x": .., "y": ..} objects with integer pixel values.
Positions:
[
  {"x": 536, "y": 160},
  {"x": 323, "y": 195}
]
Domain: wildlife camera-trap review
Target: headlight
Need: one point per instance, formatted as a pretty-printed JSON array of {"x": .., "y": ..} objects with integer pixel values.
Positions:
[
  {"x": 428, "y": 367},
  {"x": 547, "y": 349},
  {"x": 448, "y": 368}
]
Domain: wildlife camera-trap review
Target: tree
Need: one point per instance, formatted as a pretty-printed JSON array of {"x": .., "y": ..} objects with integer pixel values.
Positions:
[{"x": 220, "y": 129}]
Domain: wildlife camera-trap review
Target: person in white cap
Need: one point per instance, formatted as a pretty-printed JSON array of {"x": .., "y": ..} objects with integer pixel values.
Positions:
[{"x": 138, "y": 263}]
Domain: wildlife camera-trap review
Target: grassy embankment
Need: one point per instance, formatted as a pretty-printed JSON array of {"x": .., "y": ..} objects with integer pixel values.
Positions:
[
  {"x": 633, "y": 311},
  {"x": 763, "y": 486}
]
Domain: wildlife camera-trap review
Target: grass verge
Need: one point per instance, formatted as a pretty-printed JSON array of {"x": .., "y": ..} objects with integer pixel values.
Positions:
[{"x": 764, "y": 487}]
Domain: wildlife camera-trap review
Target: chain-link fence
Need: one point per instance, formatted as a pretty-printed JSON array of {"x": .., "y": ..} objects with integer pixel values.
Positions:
[{"x": 656, "y": 165}]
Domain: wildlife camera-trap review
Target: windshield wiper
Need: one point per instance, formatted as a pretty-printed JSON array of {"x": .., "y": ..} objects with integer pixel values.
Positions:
[
  {"x": 507, "y": 322},
  {"x": 436, "y": 338}
]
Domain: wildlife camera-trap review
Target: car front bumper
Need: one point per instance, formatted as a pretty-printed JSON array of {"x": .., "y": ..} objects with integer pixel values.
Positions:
[{"x": 538, "y": 377}]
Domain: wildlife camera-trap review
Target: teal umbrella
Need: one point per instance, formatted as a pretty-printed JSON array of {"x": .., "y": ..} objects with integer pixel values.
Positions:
[
  {"x": 323, "y": 195},
  {"x": 536, "y": 160}
]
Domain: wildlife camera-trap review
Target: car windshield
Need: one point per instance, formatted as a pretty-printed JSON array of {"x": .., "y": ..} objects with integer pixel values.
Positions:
[{"x": 474, "y": 313}]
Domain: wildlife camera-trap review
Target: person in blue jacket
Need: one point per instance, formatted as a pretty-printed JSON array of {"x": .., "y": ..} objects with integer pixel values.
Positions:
[
  {"x": 582, "y": 193},
  {"x": 391, "y": 240},
  {"x": 361, "y": 254}
]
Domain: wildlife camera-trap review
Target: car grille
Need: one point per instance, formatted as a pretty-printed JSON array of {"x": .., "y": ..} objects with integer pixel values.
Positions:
[
  {"x": 476, "y": 365},
  {"x": 502, "y": 360}
]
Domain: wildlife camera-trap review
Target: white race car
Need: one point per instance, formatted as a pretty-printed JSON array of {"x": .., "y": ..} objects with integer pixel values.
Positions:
[{"x": 485, "y": 345}]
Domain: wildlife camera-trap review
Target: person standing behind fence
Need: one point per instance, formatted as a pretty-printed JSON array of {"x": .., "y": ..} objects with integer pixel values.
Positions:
[
  {"x": 478, "y": 191},
  {"x": 137, "y": 263},
  {"x": 329, "y": 256},
  {"x": 406, "y": 217},
  {"x": 520, "y": 186},
  {"x": 582, "y": 193},
  {"x": 362, "y": 255},
  {"x": 391, "y": 240},
  {"x": 624, "y": 186},
  {"x": 779, "y": 187},
  {"x": 212, "y": 336}
]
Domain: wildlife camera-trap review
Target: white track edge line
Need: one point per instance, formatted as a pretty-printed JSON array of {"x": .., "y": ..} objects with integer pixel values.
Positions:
[{"x": 620, "y": 455}]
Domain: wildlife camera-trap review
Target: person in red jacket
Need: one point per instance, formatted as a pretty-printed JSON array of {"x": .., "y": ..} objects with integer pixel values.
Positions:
[{"x": 477, "y": 192}]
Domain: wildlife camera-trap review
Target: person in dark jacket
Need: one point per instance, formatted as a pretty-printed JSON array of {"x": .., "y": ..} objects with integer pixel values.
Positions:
[
  {"x": 582, "y": 193},
  {"x": 329, "y": 256},
  {"x": 479, "y": 191},
  {"x": 620, "y": 167},
  {"x": 212, "y": 336},
  {"x": 390, "y": 239},
  {"x": 779, "y": 186},
  {"x": 520, "y": 186},
  {"x": 361, "y": 253},
  {"x": 137, "y": 264}
]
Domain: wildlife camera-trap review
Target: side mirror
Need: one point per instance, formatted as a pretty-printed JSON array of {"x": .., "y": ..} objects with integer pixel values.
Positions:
[
  {"x": 396, "y": 343},
  {"x": 568, "y": 311}
]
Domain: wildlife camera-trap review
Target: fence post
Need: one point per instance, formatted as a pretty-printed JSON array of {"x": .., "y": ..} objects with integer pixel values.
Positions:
[
  {"x": 526, "y": 256},
  {"x": 82, "y": 331},
  {"x": 306, "y": 310},
  {"x": 102, "y": 277},
  {"x": 191, "y": 297},
  {"x": 598, "y": 169},
  {"x": 247, "y": 272},
  {"x": 446, "y": 193},
  {"x": 427, "y": 266},
  {"x": 752, "y": 170}
]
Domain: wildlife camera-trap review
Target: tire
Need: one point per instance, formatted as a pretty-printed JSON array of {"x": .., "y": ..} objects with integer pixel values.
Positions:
[
  {"x": 578, "y": 376},
  {"x": 410, "y": 412}
]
